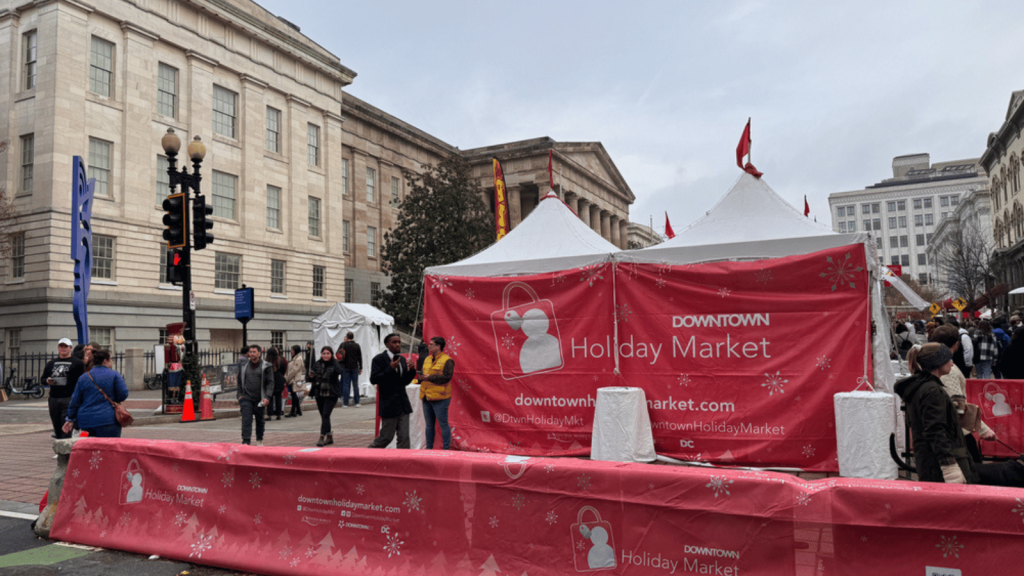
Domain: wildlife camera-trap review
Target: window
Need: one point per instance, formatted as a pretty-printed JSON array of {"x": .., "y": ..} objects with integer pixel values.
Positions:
[
  {"x": 371, "y": 176},
  {"x": 18, "y": 255},
  {"x": 375, "y": 294},
  {"x": 227, "y": 271},
  {"x": 396, "y": 191},
  {"x": 865, "y": 208},
  {"x": 917, "y": 203},
  {"x": 163, "y": 268},
  {"x": 920, "y": 239},
  {"x": 318, "y": 281},
  {"x": 954, "y": 200},
  {"x": 918, "y": 220},
  {"x": 101, "y": 67},
  {"x": 99, "y": 165},
  {"x": 314, "y": 217},
  {"x": 890, "y": 206},
  {"x": 273, "y": 130},
  {"x": 842, "y": 226},
  {"x": 943, "y": 200},
  {"x": 104, "y": 337},
  {"x": 904, "y": 241},
  {"x": 901, "y": 205},
  {"x": 14, "y": 342},
  {"x": 277, "y": 276},
  {"x": 905, "y": 260},
  {"x": 103, "y": 257},
  {"x": 371, "y": 241},
  {"x": 867, "y": 225},
  {"x": 896, "y": 260},
  {"x": 162, "y": 337},
  {"x": 273, "y": 207},
  {"x": 876, "y": 208},
  {"x": 313, "y": 144},
  {"x": 894, "y": 241},
  {"x": 927, "y": 202},
  {"x": 876, "y": 224},
  {"x": 841, "y": 211},
  {"x": 892, "y": 222},
  {"x": 922, "y": 259},
  {"x": 344, "y": 176},
  {"x": 344, "y": 235},
  {"x": 277, "y": 339},
  {"x": 851, "y": 226},
  {"x": 224, "y": 195},
  {"x": 903, "y": 221},
  {"x": 31, "y": 53},
  {"x": 922, "y": 278},
  {"x": 878, "y": 242},
  {"x": 348, "y": 290},
  {"x": 929, "y": 219},
  {"x": 849, "y": 210},
  {"x": 167, "y": 91},
  {"x": 28, "y": 158},
  {"x": 224, "y": 111},
  {"x": 163, "y": 181}
]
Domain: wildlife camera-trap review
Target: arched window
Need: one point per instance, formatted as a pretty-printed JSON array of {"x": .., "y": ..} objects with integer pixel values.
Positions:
[
  {"x": 995, "y": 191},
  {"x": 1002, "y": 180},
  {"x": 997, "y": 232},
  {"x": 1006, "y": 226}
]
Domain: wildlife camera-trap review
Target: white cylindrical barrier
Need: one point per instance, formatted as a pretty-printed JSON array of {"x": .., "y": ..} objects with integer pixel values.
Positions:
[
  {"x": 864, "y": 421},
  {"x": 622, "y": 427}
]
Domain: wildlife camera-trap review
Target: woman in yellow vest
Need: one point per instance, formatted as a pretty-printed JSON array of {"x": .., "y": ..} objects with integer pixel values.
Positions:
[{"x": 436, "y": 390}]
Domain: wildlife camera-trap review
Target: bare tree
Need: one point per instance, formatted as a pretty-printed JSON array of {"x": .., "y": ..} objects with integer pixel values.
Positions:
[
  {"x": 7, "y": 214},
  {"x": 963, "y": 259}
]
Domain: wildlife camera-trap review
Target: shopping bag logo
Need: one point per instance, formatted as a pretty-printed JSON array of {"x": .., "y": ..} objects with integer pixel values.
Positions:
[
  {"x": 993, "y": 400},
  {"x": 132, "y": 484},
  {"x": 526, "y": 336},
  {"x": 593, "y": 547}
]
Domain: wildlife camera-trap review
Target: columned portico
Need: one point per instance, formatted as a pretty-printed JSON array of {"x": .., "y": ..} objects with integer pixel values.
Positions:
[
  {"x": 595, "y": 218},
  {"x": 614, "y": 223},
  {"x": 583, "y": 209},
  {"x": 606, "y": 228}
]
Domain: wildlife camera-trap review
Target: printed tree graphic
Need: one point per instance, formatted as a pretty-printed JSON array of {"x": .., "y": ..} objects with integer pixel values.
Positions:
[
  {"x": 439, "y": 565},
  {"x": 283, "y": 540},
  {"x": 191, "y": 529},
  {"x": 81, "y": 513},
  {"x": 465, "y": 566},
  {"x": 324, "y": 551},
  {"x": 490, "y": 567},
  {"x": 348, "y": 561}
]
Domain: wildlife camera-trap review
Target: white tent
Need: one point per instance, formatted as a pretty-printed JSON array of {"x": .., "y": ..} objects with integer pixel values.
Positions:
[
  {"x": 368, "y": 324},
  {"x": 551, "y": 238}
]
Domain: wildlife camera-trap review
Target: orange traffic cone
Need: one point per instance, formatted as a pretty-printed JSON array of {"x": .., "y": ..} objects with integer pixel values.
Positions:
[
  {"x": 188, "y": 413},
  {"x": 206, "y": 402}
]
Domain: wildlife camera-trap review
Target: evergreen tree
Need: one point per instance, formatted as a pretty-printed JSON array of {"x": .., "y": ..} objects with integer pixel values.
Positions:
[{"x": 443, "y": 219}]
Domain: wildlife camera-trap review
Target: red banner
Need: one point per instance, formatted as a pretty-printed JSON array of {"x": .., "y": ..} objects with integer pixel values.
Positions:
[
  {"x": 738, "y": 360},
  {"x": 359, "y": 511},
  {"x": 1001, "y": 403}
]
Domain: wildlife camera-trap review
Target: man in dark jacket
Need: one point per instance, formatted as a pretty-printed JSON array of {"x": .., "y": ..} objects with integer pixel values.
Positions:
[
  {"x": 61, "y": 374},
  {"x": 390, "y": 374},
  {"x": 351, "y": 369},
  {"x": 255, "y": 388}
]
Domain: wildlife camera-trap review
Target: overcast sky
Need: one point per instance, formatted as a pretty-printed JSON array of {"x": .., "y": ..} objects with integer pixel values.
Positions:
[{"x": 835, "y": 90}]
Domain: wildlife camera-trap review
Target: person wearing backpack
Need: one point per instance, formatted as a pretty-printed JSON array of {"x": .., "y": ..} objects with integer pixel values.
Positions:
[
  {"x": 902, "y": 340},
  {"x": 985, "y": 349}
]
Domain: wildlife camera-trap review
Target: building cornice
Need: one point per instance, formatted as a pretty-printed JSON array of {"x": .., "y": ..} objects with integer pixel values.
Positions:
[
  {"x": 193, "y": 55},
  {"x": 129, "y": 27},
  {"x": 896, "y": 193},
  {"x": 250, "y": 79}
]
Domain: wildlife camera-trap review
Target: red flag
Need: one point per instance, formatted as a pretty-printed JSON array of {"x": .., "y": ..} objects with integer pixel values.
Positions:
[
  {"x": 807, "y": 207},
  {"x": 668, "y": 228},
  {"x": 743, "y": 149},
  {"x": 551, "y": 172},
  {"x": 501, "y": 220}
]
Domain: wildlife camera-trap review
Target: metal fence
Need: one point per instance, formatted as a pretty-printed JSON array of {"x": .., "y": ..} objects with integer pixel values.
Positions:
[
  {"x": 206, "y": 358},
  {"x": 31, "y": 365}
]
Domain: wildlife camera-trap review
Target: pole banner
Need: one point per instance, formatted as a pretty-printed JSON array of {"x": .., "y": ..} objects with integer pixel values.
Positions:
[
  {"x": 288, "y": 510},
  {"x": 739, "y": 361},
  {"x": 501, "y": 220}
]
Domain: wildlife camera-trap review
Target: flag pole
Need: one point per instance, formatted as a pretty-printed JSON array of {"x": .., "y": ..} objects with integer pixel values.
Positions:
[{"x": 750, "y": 145}]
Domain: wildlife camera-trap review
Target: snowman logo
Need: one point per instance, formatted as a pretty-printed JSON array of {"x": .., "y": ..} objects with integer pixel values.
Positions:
[
  {"x": 1000, "y": 407},
  {"x": 132, "y": 483},
  {"x": 526, "y": 335},
  {"x": 540, "y": 351}
]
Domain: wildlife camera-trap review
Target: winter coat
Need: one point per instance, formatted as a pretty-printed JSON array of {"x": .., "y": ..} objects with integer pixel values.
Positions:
[
  {"x": 326, "y": 383},
  {"x": 296, "y": 373},
  {"x": 88, "y": 407},
  {"x": 266, "y": 379},
  {"x": 935, "y": 427}
]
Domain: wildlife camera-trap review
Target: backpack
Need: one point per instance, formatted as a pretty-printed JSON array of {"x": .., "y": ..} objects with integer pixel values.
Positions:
[{"x": 977, "y": 355}]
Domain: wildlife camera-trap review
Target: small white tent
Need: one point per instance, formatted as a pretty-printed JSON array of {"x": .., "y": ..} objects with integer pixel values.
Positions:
[{"x": 369, "y": 326}]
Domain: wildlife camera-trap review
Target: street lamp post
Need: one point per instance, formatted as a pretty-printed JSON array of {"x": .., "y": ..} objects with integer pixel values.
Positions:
[{"x": 196, "y": 152}]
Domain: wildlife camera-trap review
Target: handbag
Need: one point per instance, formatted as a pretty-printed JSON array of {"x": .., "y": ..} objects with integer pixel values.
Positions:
[{"x": 123, "y": 416}]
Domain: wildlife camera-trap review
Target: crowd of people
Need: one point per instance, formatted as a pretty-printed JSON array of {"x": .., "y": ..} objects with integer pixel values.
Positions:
[
  {"x": 990, "y": 348},
  {"x": 84, "y": 387}
]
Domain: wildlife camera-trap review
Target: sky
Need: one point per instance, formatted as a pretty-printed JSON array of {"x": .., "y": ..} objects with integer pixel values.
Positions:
[{"x": 834, "y": 90}]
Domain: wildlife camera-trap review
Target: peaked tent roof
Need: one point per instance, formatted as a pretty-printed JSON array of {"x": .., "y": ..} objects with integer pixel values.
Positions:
[
  {"x": 551, "y": 238},
  {"x": 349, "y": 314}
]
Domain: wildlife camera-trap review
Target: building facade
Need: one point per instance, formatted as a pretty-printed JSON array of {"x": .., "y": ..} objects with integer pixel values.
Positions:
[
  {"x": 640, "y": 236},
  {"x": 967, "y": 229},
  {"x": 902, "y": 213},
  {"x": 304, "y": 178},
  {"x": 1002, "y": 164}
]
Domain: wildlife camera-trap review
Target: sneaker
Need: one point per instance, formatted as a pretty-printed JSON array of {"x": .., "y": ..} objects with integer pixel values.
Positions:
[
  {"x": 259, "y": 442},
  {"x": 54, "y": 456},
  {"x": 344, "y": 405},
  {"x": 356, "y": 405},
  {"x": 246, "y": 442}
]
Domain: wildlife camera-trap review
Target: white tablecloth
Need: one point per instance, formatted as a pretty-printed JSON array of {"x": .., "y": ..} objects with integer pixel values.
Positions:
[
  {"x": 864, "y": 421},
  {"x": 622, "y": 426},
  {"x": 417, "y": 430}
]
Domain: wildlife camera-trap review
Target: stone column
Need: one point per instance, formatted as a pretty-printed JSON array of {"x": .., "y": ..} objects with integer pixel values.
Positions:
[
  {"x": 613, "y": 222},
  {"x": 583, "y": 209},
  {"x": 134, "y": 368},
  {"x": 606, "y": 228},
  {"x": 595, "y": 218},
  {"x": 573, "y": 200},
  {"x": 515, "y": 208},
  {"x": 624, "y": 233}
]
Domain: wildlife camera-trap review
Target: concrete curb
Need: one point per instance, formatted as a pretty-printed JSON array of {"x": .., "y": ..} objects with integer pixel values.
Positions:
[{"x": 176, "y": 418}]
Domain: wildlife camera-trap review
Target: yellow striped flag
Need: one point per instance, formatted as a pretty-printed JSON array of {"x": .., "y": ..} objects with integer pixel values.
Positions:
[{"x": 501, "y": 221}]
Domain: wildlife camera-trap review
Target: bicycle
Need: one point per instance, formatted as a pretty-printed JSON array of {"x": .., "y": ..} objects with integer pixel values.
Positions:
[{"x": 29, "y": 386}]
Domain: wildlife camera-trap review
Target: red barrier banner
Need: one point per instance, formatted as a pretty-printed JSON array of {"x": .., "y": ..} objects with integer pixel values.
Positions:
[
  {"x": 279, "y": 510},
  {"x": 1001, "y": 404},
  {"x": 739, "y": 361}
]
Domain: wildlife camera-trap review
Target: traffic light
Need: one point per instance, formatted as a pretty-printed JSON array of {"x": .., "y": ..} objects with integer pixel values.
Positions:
[
  {"x": 175, "y": 267},
  {"x": 200, "y": 223},
  {"x": 176, "y": 221}
]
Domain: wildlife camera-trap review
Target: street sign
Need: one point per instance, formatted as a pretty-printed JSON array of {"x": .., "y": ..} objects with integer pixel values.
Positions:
[
  {"x": 244, "y": 305},
  {"x": 935, "y": 308},
  {"x": 960, "y": 304},
  {"x": 191, "y": 300}
]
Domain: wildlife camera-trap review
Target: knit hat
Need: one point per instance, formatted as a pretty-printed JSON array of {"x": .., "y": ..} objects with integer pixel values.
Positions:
[{"x": 932, "y": 357}]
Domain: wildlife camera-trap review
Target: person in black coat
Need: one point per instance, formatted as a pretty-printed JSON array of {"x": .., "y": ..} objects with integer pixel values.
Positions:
[
  {"x": 391, "y": 375},
  {"x": 326, "y": 389},
  {"x": 1011, "y": 362}
]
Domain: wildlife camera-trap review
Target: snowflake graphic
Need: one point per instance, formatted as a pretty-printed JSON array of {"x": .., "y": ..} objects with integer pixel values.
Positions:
[
  {"x": 464, "y": 385},
  {"x": 103, "y": 534},
  {"x": 493, "y": 522},
  {"x": 75, "y": 472},
  {"x": 549, "y": 468},
  {"x": 94, "y": 462},
  {"x": 803, "y": 499},
  {"x": 774, "y": 383},
  {"x": 228, "y": 452},
  {"x": 508, "y": 341},
  {"x": 888, "y": 506},
  {"x": 581, "y": 546},
  {"x": 552, "y": 517},
  {"x": 228, "y": 479},
  {"x": 518, "y": 501},
  {"x": 294, "y": 562},
  {"x": 808, "y": 451},
  {"x": 174, "y": 468},
  {"x": 393, "y": 546},
  {"x": 310, "y": 552},
  {"x": 360, "y": 489},
  {"x": 660, "y": 282},
  {"x": 719, "y": 485},
  {"x": 1019, "y": 509},
  {"x": 126, "y": 518},
  {"x": 439, "y": 282},
  {"x": 285, "y": 552},
  {"x": 840, "y": 272},
  {"x": 203, "y": 544},
  {"x": 180, "y": 519},
  {"x": 622, "y": 312},
  {"x": 452, "y": 348},
  {"x": 664, "y": 268},
  {"x": 763, "y": 276},
  {"x": 950, "y": 546},
  {"x": 257, "y": 519},
  {"x": 724, "y": 292},
  {"x": 824, "y": 363},
  {"x": 255, "y": 480},
  {"x": 684, "y": 380},
  {"x": 412, "y": 501},
  {"x": 863, "y": 538},
  {"x": 289, "y": 458},
  {"x": 557, "y": 278},
  {"x": 470, "y": 294},
  {"x": 583, "y": 482},
  {"x": 591, "y": 274},
  {"x": 223, "y": 508}
]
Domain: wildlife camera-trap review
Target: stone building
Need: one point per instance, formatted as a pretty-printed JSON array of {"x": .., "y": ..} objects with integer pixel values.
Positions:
[
  {"x": 641, "y": 236},
  {"x": 967, "y": 229},
  {"x": 902, "y": 213},
  {"x": 1002, "y": 162},
  {"x": 304, "y": 178}
]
